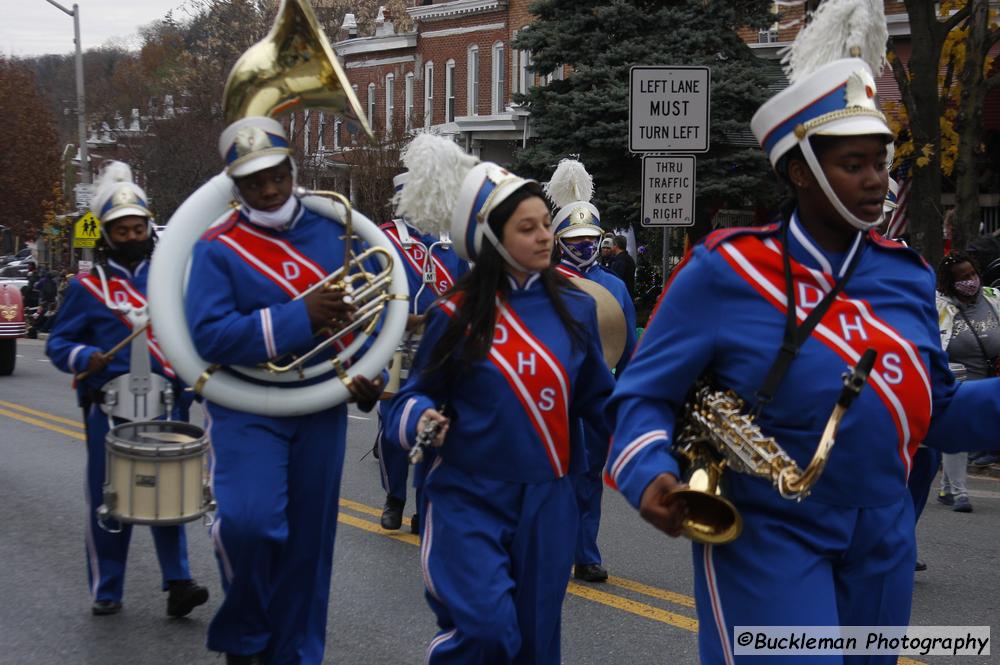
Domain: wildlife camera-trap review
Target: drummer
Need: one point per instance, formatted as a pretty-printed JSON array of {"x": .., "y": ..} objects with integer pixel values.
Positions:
[
  {"x": 99, "y": 311},
  {"x": 432, "y": 267}
]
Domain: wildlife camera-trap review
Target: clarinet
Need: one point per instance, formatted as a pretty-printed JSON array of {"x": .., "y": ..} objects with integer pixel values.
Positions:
[{"x": 424, "y": 439}]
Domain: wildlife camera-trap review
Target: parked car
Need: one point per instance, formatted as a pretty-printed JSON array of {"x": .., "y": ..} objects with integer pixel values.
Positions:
[{"x": 12, "y": 323}]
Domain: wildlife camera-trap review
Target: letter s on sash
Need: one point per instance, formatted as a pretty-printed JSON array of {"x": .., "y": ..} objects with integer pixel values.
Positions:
[
  {"x": 547, "y": 399},
  {"x": 892, "y": 370}
]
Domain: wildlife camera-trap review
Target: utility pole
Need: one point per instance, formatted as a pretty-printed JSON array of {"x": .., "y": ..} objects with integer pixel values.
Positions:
[{"x": 81, "y": 109}]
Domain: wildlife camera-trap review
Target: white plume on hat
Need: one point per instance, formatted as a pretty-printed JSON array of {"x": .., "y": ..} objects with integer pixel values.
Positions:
[
  {"x": 112, "y": 174},
  {"x": 437, "y": 167},
  {"x": 569, "y": 183},
  {"x": 839, "y": 29}
]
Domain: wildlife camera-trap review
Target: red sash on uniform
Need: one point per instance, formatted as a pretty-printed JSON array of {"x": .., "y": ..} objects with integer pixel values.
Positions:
[
  {"x": 122, "y": 292},
  {"x": 850, "y": 327},
  {"x": 536, "y": 377},
  {"x": 278, "y": 261},
  {"x": 415, "y": 255}
]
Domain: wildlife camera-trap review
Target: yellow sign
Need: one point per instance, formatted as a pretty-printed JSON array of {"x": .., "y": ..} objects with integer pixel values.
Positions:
[{"x": 86, "y": 231}]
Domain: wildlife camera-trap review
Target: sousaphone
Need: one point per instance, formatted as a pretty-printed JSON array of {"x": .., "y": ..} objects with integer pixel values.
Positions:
[{"x": 292, "y": 68}]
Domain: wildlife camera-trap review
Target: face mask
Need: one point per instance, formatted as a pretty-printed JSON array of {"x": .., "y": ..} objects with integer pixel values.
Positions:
[
  {"x": 581, "y": 253},
  {"x": 132, "y": 251},
  {"x": 967, "y": 287},
  {"x": 274, "y": 219}
]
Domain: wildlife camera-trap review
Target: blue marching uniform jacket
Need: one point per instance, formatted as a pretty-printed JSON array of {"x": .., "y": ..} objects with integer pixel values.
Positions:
[
  {"x": 277, "y": 480},
  {"x": 413, "y": 247},
  {"x": 588, "y": 483},
  {"x": 86, "y": 325},
  {"x": 845, "y": 555},
  {"x": 500, "y": 516}
]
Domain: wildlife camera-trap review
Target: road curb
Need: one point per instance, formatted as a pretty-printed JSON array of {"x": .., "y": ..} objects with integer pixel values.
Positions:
[{"x": 991, "y": 471}]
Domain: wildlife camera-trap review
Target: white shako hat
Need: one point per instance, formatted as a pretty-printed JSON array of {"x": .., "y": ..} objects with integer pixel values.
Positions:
[
  {"x": 399, "y": 181},
  {"x": 253, "y": 144},
  {"x": 450, "y": 191},
  {"x": 116, "y": 195},
  {"x": 571, "y": 188},
  {"x": 830, "y": 93}
]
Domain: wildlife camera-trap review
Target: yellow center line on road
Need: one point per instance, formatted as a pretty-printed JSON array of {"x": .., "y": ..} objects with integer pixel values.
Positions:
[
  {"x": 652, "y": 591},
  {"x": 43, "y": 414},
  {"x": 41, "y": 423}
]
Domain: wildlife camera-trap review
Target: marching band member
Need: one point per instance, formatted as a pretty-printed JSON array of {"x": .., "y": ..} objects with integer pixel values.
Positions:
[
  {"x": 99, "y": 310},
  {"x": 277, "y": 480},
  {"x": 845, "y": 555},
  {"x": 432, "y": 267},
  {"x": 578, "y": 232},
  {"x": 509, "y": 360}
]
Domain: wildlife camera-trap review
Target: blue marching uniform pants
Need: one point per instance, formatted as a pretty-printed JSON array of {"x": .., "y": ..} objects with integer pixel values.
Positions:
[
  {"x": 925, "y": 467},
  {"x": 277, "y": 483},
  {"x": 107, "y": 552},
  {"x": 589, "y": 488},
  {"x": 496, "y": 557},
  {"x": 844, "y": 566},
  {"x": 393, "y": 461}
]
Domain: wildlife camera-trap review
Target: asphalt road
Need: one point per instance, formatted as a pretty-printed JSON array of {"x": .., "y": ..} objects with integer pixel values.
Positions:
[{"x": 645, "y": 615}]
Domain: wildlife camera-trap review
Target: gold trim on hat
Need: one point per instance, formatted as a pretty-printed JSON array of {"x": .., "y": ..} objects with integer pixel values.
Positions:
[{"x": 805, "y": 128}]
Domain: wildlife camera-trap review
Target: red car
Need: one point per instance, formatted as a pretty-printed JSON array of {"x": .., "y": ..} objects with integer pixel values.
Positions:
[{"x": 12, "y": 324}]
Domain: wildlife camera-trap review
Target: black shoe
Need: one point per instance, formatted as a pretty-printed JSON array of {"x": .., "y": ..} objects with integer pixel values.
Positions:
[
  {"x": 920, "y": 566},
  {"x": 184, "y": 596},
  {"x": 946, "y": 498},
  {"x": 590, "y": 572},
  {"x": 415, "y": 523},
  {"x": 237, "y": 659},
  {"x": 105, "y": 607},
  {"x": 392, "y": 514}
]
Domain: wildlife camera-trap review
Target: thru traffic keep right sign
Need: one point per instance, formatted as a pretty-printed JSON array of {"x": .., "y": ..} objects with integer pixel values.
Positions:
[{"x": 668, "y": 191}]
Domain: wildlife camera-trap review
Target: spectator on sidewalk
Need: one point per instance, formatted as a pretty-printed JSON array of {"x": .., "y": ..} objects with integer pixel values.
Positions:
[
  {"x": 969, "y": 320},
  {"x": 623, "y": 265}
]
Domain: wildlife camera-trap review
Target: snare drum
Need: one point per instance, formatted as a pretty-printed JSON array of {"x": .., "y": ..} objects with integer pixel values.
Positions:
[{"x": 156, "y": 473}]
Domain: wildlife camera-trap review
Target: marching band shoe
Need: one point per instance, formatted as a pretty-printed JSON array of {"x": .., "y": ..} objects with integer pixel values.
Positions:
[
  {"x": 392, "y": 514},
  {"x": 105, "y": 607},
  {"x": 185, "y": 595},
  {"x": 920, "y": 566},
  {"x": 238, "y": 659},
  {"x": 415, "y": 524},
  {"x": 590, "y": 572},
  {"x": 962, "y": 505}
]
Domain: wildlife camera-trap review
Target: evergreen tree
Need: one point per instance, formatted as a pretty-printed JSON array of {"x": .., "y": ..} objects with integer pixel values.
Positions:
[{"x": 586, "y": 113}]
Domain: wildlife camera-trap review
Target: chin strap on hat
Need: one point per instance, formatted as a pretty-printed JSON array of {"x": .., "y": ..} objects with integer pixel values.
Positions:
[
  {"x": 488, "y": 233},
  {"x": 824, "y": 184}
]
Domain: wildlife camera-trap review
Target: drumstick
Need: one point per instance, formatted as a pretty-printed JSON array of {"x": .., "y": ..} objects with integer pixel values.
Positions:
[{"x": 110, "y": 353}]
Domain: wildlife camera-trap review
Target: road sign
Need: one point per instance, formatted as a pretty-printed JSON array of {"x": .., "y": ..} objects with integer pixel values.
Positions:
[
  {"x": 86, "y": 231},
  {"x": 669, "y": 109},
  {"x": 668, "y": 191}
]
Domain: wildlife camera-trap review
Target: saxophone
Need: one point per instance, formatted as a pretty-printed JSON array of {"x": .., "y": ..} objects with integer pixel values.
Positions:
[{"x": 715, "y": 433}]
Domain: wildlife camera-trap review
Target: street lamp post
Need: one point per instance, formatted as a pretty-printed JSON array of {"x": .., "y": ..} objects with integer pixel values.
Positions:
[{"x": 81, "y": 110}]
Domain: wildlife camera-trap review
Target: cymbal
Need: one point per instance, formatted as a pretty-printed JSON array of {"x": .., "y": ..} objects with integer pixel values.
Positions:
[{"x": 610, "y": 319}]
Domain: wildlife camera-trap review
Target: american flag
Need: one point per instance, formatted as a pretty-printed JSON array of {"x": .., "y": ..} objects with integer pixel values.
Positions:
[{"x": 896, "y": 226}]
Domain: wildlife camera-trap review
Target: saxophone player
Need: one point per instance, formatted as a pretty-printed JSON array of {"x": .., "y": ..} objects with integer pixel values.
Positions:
[{"x": 738, "y": 309}]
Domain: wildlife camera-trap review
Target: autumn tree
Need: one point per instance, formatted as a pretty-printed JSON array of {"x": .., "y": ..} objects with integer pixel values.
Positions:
[
  {"x": 942, "y": 88},
  {"x": 30, "y": 189}
]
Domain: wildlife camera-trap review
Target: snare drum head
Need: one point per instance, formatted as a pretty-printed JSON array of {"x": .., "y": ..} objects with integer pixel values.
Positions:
[{"x": 156, "y": 438}]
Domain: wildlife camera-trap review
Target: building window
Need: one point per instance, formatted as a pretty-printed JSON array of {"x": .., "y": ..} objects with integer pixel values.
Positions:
[
  {"x": 321, "y": 134},
  {"x": 497, "y": 79},
  {"x": 371, "y": 105},
  {"x": 390, "y": 101},
  {"x": 449, "y": 91},
  {"x": 525, "y": 77},
  {"x": 472, "y": 79},
  {"x": 428, "y": 94},
  {"x": 408, "y": 101}
]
